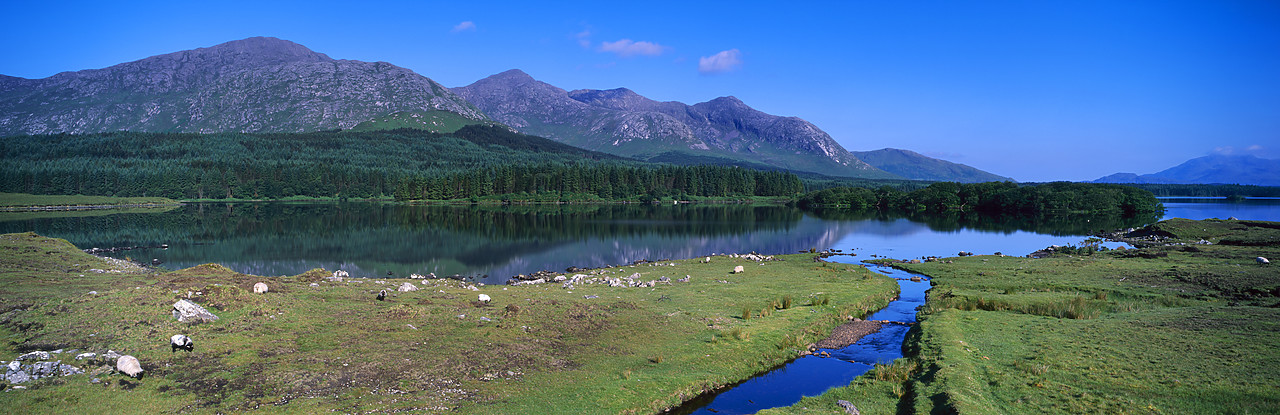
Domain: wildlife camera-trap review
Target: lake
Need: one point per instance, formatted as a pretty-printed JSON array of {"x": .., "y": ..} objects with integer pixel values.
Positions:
[{"x": 493, "y": 243}]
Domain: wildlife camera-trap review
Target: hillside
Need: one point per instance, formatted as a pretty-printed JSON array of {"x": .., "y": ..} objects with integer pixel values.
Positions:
[
  {"x": 619, "y": 121},
  {"x": 916, "y": 166},
  {"x": 258, "y": 84}
]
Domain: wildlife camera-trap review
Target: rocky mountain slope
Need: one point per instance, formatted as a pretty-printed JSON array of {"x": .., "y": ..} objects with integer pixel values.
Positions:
[
  {"x": 619, "y": 121},
  {"x": 259, "y": 84},
  {"x": 916, "y": 166},
  {"x": 1222, "y": 169}
]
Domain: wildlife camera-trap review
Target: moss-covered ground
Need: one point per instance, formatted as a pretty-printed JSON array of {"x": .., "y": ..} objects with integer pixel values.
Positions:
[
  {"x": 1176, "y": 327},
  {"x": 331, "y": 346}
]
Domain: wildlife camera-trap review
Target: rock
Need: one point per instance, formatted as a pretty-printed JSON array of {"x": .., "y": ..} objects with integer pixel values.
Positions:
[
  {"x": 848, "y": 407},
  {"x": 738, "y": 269},
  {"x": 37, "y": 355},
  {"x": 406, "y": 287},
  {"x": 914, "y": 261},
  {"x": 916, "y": 278},
  {"x": 183, "y": 342},
  {"x": 68, "y": 370},
  {"x": 17, "y": 376},
  {"x": 129, "y": 365},
  {"x": 589, "y": 297},
  {"x": 44, "y": 369},
  {"x": 189, "y": 312},
  {"x": 685, "y": 279},
  {"x": 15, "y": 366},
  {"x": 417, "y": 276},
  {"x": 485, "y": 319},
  {"x": 260, "y": 288},
  {"x": 965, "y": 253},
  {"x": 340, "y": 274},
  {"x": 484, "y": 298},
  {"x": 93, "y": 293},
  {"x": 86, "y": 355},
  {"x": 333, "y": 279},
  {"x": 156, "y": 261},
  {"x": 314, "y": 284},
  {"x": 559, "y": 278}
]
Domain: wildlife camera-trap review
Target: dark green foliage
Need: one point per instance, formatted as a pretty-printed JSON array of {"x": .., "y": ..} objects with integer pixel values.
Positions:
[
  {"x": 993, "y": 198},
  {"x": 474, "y": 161},
  {"x": 1209, "y": 190}
]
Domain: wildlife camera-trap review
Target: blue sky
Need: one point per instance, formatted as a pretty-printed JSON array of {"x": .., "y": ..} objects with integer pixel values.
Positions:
[{"x": 1035, "y": 90}]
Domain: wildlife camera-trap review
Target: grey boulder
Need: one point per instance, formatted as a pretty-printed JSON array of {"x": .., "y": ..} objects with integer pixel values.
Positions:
[{"x": 189, "y": 312}]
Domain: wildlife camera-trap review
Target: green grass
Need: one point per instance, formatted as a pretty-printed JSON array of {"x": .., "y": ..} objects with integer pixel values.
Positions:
[
  {"x": 22, "y": 200},
  {"x": 332, "y": 347},
  {"x": 1164, "y": 329}
]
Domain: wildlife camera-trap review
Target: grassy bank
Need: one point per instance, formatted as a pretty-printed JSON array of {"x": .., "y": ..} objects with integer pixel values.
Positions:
[
  {"x": 302, "y": 348},
  {"x": 1175, "y": 328},
  {"x": 23, "y": 200}
]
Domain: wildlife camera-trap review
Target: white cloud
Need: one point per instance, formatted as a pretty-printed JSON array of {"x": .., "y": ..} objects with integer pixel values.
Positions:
[
  {"x": 722, "y": 62},
  {"x": 584, "y": 38},
  {"x": 628, "y": 48},
  {"x": 464, "y": 26}
]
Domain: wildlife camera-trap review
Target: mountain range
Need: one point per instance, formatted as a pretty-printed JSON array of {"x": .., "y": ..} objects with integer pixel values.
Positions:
[
  {"x": 265, "y": 84},
  {"x": 1212, "y": 169}
]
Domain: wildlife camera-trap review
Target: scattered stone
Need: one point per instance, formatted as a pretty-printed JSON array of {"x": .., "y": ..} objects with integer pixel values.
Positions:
[
  {"x": 179, "y": 341},
  {"x": 590, "y": 296},
  {"x": 849, "y": 333},
  {"x": 406, "y": 287},
  {"x": 17, "y": 376},
  {"x": 315, "y": 284},
  {"x": 189, "y": 312},
  {"x": 37, "y": 355},
  {"x": 685, "y": 279},
  {"x": 129, "y": 365},
  {"x": 848, "y": 407},
  {"x": 417, "y": 276},
  {"x": 559, "y": 278},
  {"x": 86, "y": 355},
  {"x": 485, "y": 319},
  {"x": 260, "y": 288},
  {"x": 914, "y": 261},
  {"x": 916, "y": 278}
]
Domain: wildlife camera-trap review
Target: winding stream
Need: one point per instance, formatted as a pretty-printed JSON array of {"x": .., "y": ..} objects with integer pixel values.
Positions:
[{"x": 812, "y": 375}]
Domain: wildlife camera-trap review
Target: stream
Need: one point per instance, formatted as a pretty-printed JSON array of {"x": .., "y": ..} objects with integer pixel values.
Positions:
[{"x": 812, "y": 375}]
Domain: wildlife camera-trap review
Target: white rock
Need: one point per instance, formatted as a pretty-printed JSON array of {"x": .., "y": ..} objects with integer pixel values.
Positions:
[{"x": 407, "y": 287}]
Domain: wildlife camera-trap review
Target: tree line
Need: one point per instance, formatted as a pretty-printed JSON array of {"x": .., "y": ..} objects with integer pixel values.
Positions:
[
  {"x": 991, "y": 197},
  {"x": 407, "y": 164}
]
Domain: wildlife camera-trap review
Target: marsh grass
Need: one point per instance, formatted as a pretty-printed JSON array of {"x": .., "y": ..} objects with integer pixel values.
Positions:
[{"x": 1168, "y": 329}]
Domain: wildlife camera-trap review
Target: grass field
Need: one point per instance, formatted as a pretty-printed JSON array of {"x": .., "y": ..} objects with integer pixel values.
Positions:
[
  {"x": 332, "y": 347},
  {"x": 19, "y": 200},
  {"x": 1176, "y": 328}
]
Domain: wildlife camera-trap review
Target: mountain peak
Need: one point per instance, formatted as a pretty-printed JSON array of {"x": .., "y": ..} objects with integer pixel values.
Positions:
[
  {"x": 254, "y": 51},
  {"x": 512, "y": 74}
]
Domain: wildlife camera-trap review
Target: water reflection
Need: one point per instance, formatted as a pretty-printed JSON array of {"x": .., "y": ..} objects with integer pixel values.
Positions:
[{"x": 377, "y": 240}]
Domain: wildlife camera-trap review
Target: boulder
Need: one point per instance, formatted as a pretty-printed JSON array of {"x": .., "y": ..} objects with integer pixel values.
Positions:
[
  {"x": 37, "y": 355},
  {"x": 17, "y": 376},
  {"x": 129, "y": 365},
  {"x": 188, "y": 312},
  {"x": 260, "y": 288},
  {"x": 406, "y": 287},
  {"x": 848, "y": 407}
]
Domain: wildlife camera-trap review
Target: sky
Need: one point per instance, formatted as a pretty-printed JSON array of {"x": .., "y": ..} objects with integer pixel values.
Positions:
[{"x": 1033, "y": 90}]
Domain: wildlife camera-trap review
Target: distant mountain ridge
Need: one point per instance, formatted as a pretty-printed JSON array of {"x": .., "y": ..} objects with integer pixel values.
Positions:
[
  {"x": 916, "y": 166},
  {"x": 259, "y": 84},
  {"x": 1213, "y": 169},
  {"x": 264, "y": 84},
  {"x": 619, "y": 121}
]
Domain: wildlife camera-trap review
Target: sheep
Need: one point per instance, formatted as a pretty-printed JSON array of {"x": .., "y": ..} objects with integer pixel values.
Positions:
[
  {"x": 382, "y": 295},
  {"x": 1262, "y": 261},
  {"x": 129, "y": 365},
  {"x": 484, "y": 298},
  {"x": 179, "y": 341},
  {"x": 259, "y": 288}
]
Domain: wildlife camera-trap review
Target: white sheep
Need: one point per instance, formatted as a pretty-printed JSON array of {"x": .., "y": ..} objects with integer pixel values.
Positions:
[
  {"x": 484, "y": 298},
  {"x": 129, "y": 365},
  {"x": 259, "y": 288},
  {"x": 1262, "y": 261}
]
